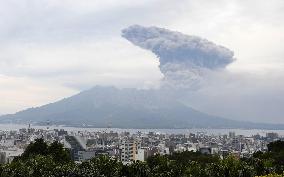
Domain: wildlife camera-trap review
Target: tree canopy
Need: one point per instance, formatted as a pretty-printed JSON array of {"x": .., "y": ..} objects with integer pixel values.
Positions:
[
  {"x": 52, "y": 160},
  {"x": 40, "y": 148}
]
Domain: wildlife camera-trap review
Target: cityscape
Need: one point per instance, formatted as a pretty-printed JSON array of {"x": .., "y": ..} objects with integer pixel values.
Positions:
[
  {"x": 129, "y": 147},
  {"x": 149, "y": 88}
]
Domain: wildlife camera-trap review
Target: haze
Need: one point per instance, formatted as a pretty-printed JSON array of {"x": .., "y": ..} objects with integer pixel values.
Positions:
[{"x": 53, "y": 49}]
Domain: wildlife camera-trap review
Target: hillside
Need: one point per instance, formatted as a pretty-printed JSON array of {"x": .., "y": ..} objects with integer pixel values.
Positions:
[{"x": 124, "y": 108}]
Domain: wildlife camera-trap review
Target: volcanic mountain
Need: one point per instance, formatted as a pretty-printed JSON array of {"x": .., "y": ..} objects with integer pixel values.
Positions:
[{"x": 124, "y": 108}]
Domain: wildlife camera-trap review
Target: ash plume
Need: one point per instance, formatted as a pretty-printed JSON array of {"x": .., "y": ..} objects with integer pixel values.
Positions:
[{"x": 184, "y": 59}]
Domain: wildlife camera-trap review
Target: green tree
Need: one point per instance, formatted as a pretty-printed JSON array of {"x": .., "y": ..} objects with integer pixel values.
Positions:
[
  {"x": 136, "y": 169},
  {"x": 100, "y": 166},
  {"x": 188, "y": 156},
  {"x": 276, "y": 146},
  {"x": 58, "y": 152},
  {"x": 39, "y": 147}
]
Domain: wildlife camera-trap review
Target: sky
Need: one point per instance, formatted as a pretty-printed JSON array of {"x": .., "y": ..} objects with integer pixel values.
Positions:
[{"x": 52, "y": 49}]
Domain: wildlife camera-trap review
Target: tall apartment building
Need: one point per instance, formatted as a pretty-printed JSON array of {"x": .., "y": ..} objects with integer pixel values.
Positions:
[{"x": 129, "y": 150}]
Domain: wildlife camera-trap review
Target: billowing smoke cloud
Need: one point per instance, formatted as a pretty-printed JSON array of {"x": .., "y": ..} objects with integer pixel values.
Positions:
[{"x": 183, "y": 58}]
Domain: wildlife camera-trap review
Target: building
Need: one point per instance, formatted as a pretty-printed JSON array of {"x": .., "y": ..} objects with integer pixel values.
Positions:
[
  {"x": 86, "y": 155},
  {"x": 205, "y": 150},
  {"x": 236, "y": 143},
  {"x": 129, "y": 150},
  {"x": 232, "y": 134},
  {"x": 7, "y": 156},
  {"x": 76, "y": 145},
  {"x": 141, "y": 155},
  {"x": 272, "y": 136}
]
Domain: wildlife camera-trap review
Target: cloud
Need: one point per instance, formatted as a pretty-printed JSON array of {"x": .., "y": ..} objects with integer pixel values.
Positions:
[
  {"x": 188, "y": 61},
  {"x": 241, "y": 96},
  {"x": 18, "y": 93},
  {"x": 81, "y": 65},
  {"x": 68, "y": 44},
  {"x": 50, "y": 21},
  {"x": 183, "y": 58}
]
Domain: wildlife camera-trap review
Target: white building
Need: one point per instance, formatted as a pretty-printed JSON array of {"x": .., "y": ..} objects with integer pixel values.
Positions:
[
  {"x": 141, "y": 155},
  {"x": 129, "y": 150},
  {"x": 7, "y": 143},
  {"x": 7, "y": 156}
]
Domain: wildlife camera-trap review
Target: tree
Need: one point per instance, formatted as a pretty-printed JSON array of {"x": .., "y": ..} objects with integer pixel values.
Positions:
[
  {"x": 188, "y": 156},
  {"x": 276, "y": 146},
  {"x": 40, "y": 147},
  {"x": 100, "y": 166},
  {"x": 136, "y": 169},
  {"x": 58, "y": 152}
]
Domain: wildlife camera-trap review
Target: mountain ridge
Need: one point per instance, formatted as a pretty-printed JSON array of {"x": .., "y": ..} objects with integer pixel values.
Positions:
[{"x": 125, "y": 108}]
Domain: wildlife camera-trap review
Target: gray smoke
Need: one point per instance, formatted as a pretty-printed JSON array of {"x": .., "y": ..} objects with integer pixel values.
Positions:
[{"x": 183, "y": 59}]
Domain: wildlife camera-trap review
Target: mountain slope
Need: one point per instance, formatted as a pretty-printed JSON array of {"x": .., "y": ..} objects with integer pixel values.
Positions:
[{"x": 124, "y": 108}]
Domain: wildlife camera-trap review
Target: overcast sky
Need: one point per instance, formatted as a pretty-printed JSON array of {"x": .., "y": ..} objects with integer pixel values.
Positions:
[{"x": 51, "y": 49}]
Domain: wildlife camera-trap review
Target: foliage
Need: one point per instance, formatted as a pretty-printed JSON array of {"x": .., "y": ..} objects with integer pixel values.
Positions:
[
  {"x": 272, "y": 175},
  {"x": 40, "y": 148},
  {"x": 277, "y": 146},
  {"x": 273, "y": 160},
  {"x": 189, "y": 156}
]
